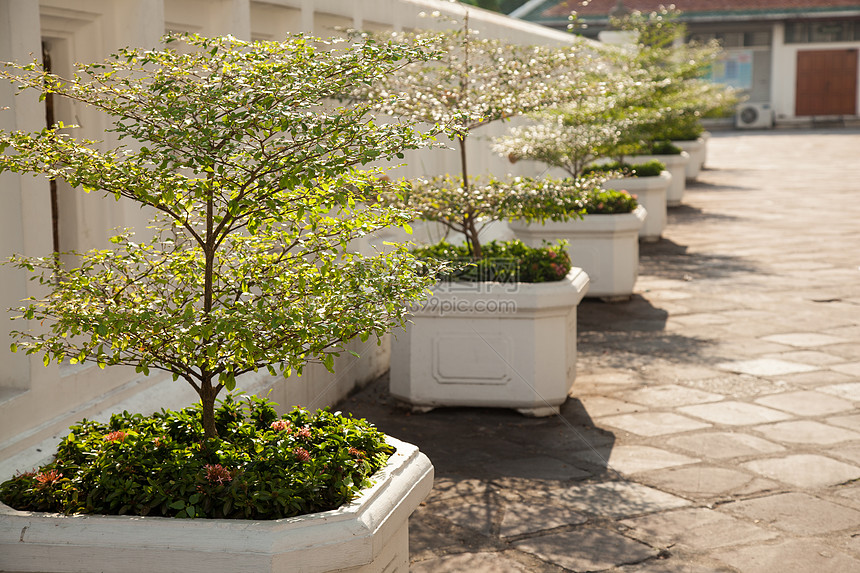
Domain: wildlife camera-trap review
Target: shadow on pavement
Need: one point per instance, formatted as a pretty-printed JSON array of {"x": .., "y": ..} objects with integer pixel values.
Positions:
[
  {"x": 668, "y": 260},
  {"x": 490, "y": 444}
]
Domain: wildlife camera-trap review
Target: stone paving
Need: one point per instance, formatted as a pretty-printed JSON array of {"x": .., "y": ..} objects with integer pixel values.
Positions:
[{"x": 714, "y": 423}]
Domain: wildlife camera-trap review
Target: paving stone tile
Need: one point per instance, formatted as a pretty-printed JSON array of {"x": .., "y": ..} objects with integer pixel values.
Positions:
[
  {"x": 682, "y": 373},
  {"x": 850, "y": 352},
  {"x": 632, "y": 459},
  {"x": 733, "y": 413},
  {"x": 603, "y": 379},
  {"x": 695, "y": 528},
  {"x": 727, "y": 343},
  {"x": 654, "y": 423},
  {"x": 805, "y": 339},
  {"x": 535, "y": 467},
  {"x": 848, "y": 492},
  {"x": 758, "y": 486},
  {"x": 448, "y": 487},
  {"x": 804, "y": 470},
  {"x": 587, "y": 549},
  {"x": 790, "y": 556},
  {"x": 724, "y": 445},
  {"x": 850, "y": 391},
  {"x": 697, "y": 481},
  {"x": 597, "y": 406},
  {"x": 616, "y": 499},
  {"x": 806, "y": 432},
  {"x": 700, "y": 319},
  {"x": 852, "y": 368},
  {"x": 817, "y": 378},
  {"x": 807, "y": 357},
  {"x": 849, "y": 332},
  {"x": 676, "y": 564},
  {"x": 849, "y": 454},
  {"x": 766, "y": 367},
  {"x": 523, "y": 518},
  {"x": 671, "y": 395},
  {"x": 739, "y": 385},
  {"x": 852, "y": 421},
  {"x": 457, "y": 563},
  {"x": 478, "y": 514},
  {"x": 796, "y": 513},
  {"x": 806, "y": 403}
]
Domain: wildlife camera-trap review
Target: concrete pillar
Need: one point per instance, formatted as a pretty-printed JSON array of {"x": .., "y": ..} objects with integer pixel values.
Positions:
[{"x": 25, "y": 219}]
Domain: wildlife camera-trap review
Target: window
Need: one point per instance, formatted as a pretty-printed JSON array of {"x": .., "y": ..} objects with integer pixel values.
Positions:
[{"x": 822, "y": 31}]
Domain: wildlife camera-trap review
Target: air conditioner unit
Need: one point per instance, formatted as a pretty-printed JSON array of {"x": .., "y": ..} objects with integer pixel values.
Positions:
[{"x": 754, "y": 116}]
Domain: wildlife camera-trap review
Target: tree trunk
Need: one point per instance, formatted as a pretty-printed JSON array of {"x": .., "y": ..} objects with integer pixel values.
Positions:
[{"x": 207, "y": 401}]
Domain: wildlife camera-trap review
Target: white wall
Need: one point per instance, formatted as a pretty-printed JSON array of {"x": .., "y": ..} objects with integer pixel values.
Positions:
[{"x": 38, "y": 403}]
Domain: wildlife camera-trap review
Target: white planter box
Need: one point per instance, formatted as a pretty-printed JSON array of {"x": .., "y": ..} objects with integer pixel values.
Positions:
[
  {"x": 696, "y": 150},
  {"x": 651, "y": 194},
  {"x": 605, "y": 246},
  {"x": 491, "y": 344},
  {"x": 676, "y": 165},
  {"x": 369, "y": 535}
]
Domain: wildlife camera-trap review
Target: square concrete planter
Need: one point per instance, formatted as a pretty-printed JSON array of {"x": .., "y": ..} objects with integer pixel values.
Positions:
[
  {"x": 706, "y": 136},
  {"x": 676, "y": 165},
  {"x": 696, "y": 150},
  {"x": 368, "y": 535},
  {"x": 605, "y": 246},
  {"x": 492, "y": 345},
  {"x": 651, "y": 193}
]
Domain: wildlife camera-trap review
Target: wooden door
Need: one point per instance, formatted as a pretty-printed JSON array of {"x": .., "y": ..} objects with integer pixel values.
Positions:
[{"x": 826, "y": 82}]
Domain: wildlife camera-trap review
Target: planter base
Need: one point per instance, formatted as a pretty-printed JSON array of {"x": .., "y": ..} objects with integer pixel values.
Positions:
[
  {"x": 651, "y": 194},
  {"x": 696, "y": 149},
  {"x": 677, "y": 166},
  {"x": 605, "y": 246},
  {"x": 366, "y": 536},
  {"x": 490, "y": 345}
]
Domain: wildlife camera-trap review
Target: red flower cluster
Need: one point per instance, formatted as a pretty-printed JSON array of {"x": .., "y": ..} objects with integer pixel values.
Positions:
[
  {"x": 304, "y": 434},
  {"x": 303, "y": 455},
  {"x": 48, "y": 478},
  {"x": 118, "y": 436},
  {"x": 355, "y": 452},
  {"x": 218, "y": 474}
]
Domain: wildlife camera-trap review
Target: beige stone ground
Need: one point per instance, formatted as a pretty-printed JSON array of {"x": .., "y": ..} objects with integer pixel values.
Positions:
[{"x": 714, "y": 423}]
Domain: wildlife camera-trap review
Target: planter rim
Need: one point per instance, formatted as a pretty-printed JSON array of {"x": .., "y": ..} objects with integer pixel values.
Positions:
[
  {"x": 649, "y": 181},
  {"x": 556, "y": 296},
  {"x": 673, "y": 159},
  {"x": 596, "y": 223},
  {"x": 407, "y": 476}
]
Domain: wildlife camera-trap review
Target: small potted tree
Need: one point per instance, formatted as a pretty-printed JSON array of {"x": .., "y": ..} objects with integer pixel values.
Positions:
[
  {"x": 254, "y": 174},
  {"x": 678, "y": 97},
  {"x": 648, "y": 182},
  {"x": 605, "y": 241},
  {"x": 486, "y": 343}
]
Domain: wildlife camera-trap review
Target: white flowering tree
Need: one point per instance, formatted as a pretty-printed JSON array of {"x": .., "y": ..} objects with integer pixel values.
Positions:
[
  {"x": 580, "y": 131},
  {"x": 671, "y": 70},
  {"x": 256, "y": 175},
  {"x": 477, "y": 81}
]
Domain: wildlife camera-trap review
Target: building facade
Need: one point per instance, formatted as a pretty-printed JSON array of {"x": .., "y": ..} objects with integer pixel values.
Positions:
[{"x": 797, "y": 59}]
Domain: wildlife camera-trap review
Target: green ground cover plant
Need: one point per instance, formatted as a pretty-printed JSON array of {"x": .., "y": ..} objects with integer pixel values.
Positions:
[{"x": 262, "y": 465}]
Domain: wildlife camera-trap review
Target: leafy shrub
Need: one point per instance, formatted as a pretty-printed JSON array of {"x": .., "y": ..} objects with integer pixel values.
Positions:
[
  {"x": 651, "y": 168},
  {"x": 509, "y": 261},
  {"x": 661, "y": 148},
  {"x": 683, "y": 128},
  {"x": 261, "y": 466},
  {"x": 609, "y": 202}
]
